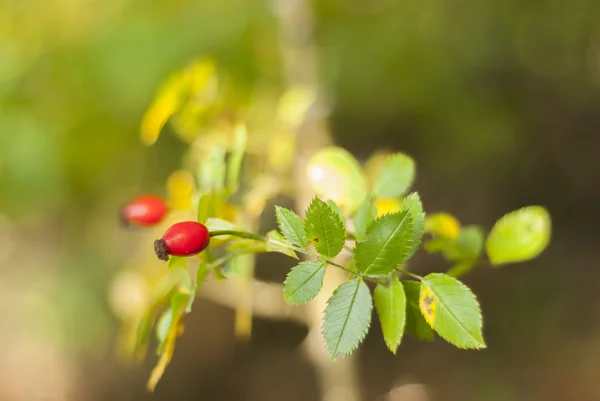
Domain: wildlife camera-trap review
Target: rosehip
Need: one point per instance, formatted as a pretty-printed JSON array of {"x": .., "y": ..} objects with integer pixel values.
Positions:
[
  {"x": 185, "y": 238},
  {"x": 144, "y": 211}
]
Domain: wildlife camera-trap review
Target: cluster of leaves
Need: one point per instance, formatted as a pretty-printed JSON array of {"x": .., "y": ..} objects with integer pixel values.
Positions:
[{"x": 365, "y": 211}]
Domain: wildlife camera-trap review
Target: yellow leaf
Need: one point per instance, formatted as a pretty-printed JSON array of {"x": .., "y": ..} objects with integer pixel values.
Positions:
[
  {"x": 385, "y": 206},
  {"x": 196, "y": 82},
  {"x": 181, "y": 187},
  {"x": 428, "y": 305},
  {"x": 166, "y": 103},
  {"x": 166, "y": 355},
  {"x": 442, "y": 224}
]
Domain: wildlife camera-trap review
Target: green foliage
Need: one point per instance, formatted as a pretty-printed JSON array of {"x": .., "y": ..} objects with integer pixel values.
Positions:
[
  {"x": 388, "y": 244},
  {"x": 201, "y": 275},
  {"x": 324, "y": 228},
  {"x": 277, "y": 243},
  {"x": 236, "y": 157},
  {"x": 451, "y": 310},
  {"x": 209, "y": 205},
  {"x": 347, "y": 317},
  {"x": 518, "y": 236},
  {"x": 211, "y": 174},
  {"x": 416, "y": 325},
  {"x": 413, "y": 204},
  {"x": 304, "y": 282},
  {"x": 364, "y": 216},
  {"x": 291, "y": 226},
  {"x": 390, "y": 302},
  {"x": 395, "y": 177},
  {"x": 336, "y": 174}
]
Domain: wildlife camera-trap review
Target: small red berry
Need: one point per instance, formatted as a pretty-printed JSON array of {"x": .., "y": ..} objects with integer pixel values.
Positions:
[
  {"x": 185, "y": 238},
  {"x": 144, "y": 211}
]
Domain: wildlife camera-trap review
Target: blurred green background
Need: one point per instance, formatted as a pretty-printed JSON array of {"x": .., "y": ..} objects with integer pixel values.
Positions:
[{"x": 498, "y": 101}]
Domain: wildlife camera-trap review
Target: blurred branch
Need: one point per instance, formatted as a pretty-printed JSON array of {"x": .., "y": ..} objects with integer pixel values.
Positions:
[
  {"x": 339, "y": 380},
  {"x": 267, "y": 299}
]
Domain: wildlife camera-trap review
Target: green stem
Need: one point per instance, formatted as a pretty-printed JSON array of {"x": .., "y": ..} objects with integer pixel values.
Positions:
[
  {"x": 235, "y": 233},
  {"x": 247, "y": 235},
  {"x": 416, "y": 276}
]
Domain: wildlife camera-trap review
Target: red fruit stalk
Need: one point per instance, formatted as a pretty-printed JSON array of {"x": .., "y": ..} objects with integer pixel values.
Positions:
[
  {"x": 145, "y": 211},
  {"x": 185, "y": 238}
]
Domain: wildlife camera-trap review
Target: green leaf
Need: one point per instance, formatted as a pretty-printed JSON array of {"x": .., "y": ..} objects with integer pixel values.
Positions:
[
  {"x": 416, "y": 325},
  {"x": 236, "y": 157},
  {"x": 465, "y": 249},
  {"x": 324, "y": 228},
  {"x": 291, "y": 226},
  {"x": 413, "y": 204},
  {"x": 364, "y": 216},
  {"x": 170, "y": 318},
  {"x": 461, "y": 268},
  {"x": 277, "y": 243},
  {"x": 163, "y": 324},
  {"x": 451, "y": 310},
  {"x": 395, "y": 176},
  {"x": 335, "y": 174},
  {"x": 520, "y": 235},
  {"x": 179, "y": 300},
  {"x": 246, "y": 246},
  {"x": 470, "y": 242},
  {"x": 347, "y": 317},
  {"x": 390, "y": 303},
  {"x": 334, "y": 206},
  {"x": 211, "y": 174},
  {"x": 304, "y": 282},
  {"x": 201, "y": 275},
  {"x": 208, "y": 205},
  {"x": 388, "y": 244},
  {"x": 216, "y": 224}
]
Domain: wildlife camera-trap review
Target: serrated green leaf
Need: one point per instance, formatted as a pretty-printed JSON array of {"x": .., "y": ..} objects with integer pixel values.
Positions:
[
  {"x": 236, "y": 157},
  {"x": 364, "y": 216},
  {"x": 334, "y": 206},
  {"x": 324, "y": 228},
  {"x": 388, "y": 244},
  {"x": 395, "y": 177},
  {"x": 335, "y": 174},
  {"x": 413, "y": 204},
  {"x": 520, "y": 235},
  {"x": 347, "y": 317},
  {"x": 451, "y": 310},
  {"x": 304, "y": 282},
  {"x": 277, "y": 243},
  {"x": 291, "y": 226},
  {"x": 416, "y": 325},
  {"x": 390, "y": 302}
]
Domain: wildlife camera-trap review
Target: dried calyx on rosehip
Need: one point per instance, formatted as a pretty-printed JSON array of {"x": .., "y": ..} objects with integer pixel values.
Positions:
[
  {"x": 144, "y": 211},
  {"x": 185, "y": 238}
]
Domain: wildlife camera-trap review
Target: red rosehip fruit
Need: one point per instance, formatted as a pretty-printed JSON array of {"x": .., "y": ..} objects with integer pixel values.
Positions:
[
  {"x": 185, "y": 238},
  {"x": 145, "y": 211}
]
